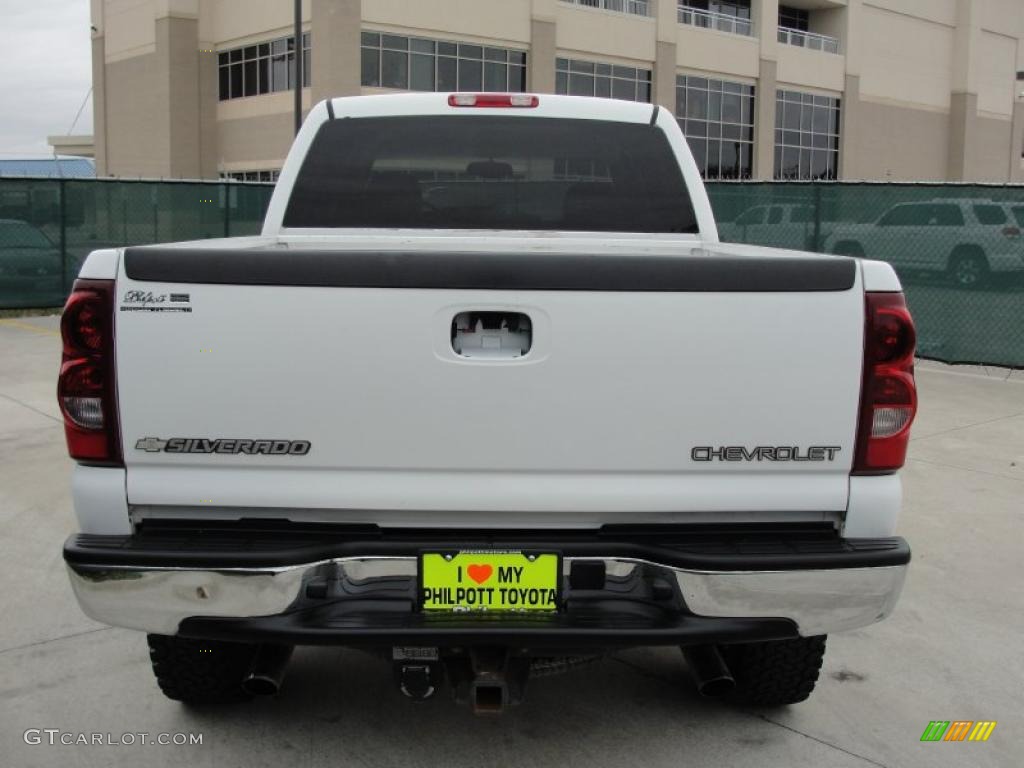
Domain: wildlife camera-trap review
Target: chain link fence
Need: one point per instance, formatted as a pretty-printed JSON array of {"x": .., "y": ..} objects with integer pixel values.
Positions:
[
  {"x": 49, "y": 226},
  {"x": 959, "y": 249}
]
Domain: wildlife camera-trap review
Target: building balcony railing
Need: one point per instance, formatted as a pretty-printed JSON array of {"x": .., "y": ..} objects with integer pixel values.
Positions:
[
  {"x": 634, "y": 7},
  {"x": 809, "y": 40},
  {"x": 722, "y": 22}
]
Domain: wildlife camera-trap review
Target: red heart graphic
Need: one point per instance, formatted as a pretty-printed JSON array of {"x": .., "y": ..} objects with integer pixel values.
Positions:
[{"x": 479, "y": 573}]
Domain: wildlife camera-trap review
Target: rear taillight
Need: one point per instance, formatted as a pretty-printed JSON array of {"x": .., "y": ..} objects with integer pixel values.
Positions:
[
  {"x": 888, "y": 399},
  {"x": 86, "y": 388},
  {"x": 493, "y": 100}
]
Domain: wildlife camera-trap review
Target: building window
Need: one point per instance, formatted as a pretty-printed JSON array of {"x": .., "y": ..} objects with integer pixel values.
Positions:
[
  {"x": 806, "y": 136},
  {"x": 588, "y": 78},
  {"x": 262, "y": 68},
  {"x": 635, "y": 7},
  {"x": 724, "y": 15},
  {"x": 794, "y": 18},
  {"x": 417, "y": 64},
  {"x": 250, "y": 175},
  {"x": 717, "y": 117}
]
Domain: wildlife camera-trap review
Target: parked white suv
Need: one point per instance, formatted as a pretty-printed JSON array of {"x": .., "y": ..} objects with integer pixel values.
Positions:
[
  {"x": 486, "y": 395},
  {"x": 966, "y": 239}
]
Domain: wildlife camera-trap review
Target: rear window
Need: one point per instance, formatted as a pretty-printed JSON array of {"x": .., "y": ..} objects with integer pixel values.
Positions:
[{"x": 491, "y": 172}]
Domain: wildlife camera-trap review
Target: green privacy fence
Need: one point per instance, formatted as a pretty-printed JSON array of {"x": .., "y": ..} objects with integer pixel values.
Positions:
[
  {"x": 958, "y": 249},
  {"x": 49, "y": 226}
]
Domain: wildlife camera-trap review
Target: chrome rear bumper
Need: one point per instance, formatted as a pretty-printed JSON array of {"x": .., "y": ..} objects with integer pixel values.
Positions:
[{"x": 196, "y": 600}]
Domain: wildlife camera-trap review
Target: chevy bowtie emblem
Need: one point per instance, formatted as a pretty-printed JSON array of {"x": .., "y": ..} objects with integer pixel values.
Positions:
[{"x": 150, "y": 444}]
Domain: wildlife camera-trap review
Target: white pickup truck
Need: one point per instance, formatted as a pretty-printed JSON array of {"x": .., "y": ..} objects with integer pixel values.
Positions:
[{"x": 486, "y": 397}]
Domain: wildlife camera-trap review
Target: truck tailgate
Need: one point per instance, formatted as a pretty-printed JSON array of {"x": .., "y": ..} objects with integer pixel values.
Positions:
[{"x": 708, "y": 383}]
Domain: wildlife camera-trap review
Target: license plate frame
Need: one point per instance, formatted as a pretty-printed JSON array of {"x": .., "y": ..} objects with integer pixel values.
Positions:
[{"x": 431, "y": 563}]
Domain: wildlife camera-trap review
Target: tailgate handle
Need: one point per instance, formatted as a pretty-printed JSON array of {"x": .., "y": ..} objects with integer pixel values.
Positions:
[{"x": 487, "y": 335}]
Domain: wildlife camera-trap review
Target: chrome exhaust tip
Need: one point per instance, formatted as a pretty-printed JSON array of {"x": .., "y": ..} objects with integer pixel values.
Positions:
[
  {"x": 267, "y": 670},
  {"x": 709, "y": 670}
]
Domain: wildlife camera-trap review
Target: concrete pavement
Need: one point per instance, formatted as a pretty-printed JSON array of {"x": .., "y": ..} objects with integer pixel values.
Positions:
[{"x": 952, "y": 651}]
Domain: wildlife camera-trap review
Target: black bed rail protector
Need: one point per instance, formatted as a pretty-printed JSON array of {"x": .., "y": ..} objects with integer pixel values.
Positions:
[
  {"x": 713, "y": 550},
  {"x": 490, "y": 271}
]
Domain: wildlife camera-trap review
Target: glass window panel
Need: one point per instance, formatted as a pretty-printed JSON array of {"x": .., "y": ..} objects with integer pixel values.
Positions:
[
  {"x": 696, "y": 103},
  {"x": 714, "y": 170},
  {"x": 222, "y": 59},
  {"x": 792, "y": 117},
  {"x": 746, "y": 160},
  {"x": 225, "y": 83},
  {"x": 819, "y": 120},
  {"x": 307, "y": 67},
  {"x": 714, "y": 130},
  {"x": 561, "y": 83},
  {"x": 250, "y": 52},
  {"x": 730, "y": 164},
  {"x": 697, "y": 82},
  {"x": 603, "y": 87},
  {"x": 821, "y": 141},
  {"x": 236, "y": 55},
  {"x": 419, "y": 45},
  {"x": 714, "y": 106},
  {"x": 470, "y": 75},
  {"x": 731, "y": 111},
  {"x": 517, "y": 79},
  {"x": 833, "y": 121},
  {"x": 495, "y": 76},
  {"x": 517, "y": 57},
  {"x": 447, "y": 74},
  {"x": 236, "y": 80},
  {"x": 264, "y": 49},
  {"x": 699, "y": 147},
  {"x": 624, "y": 89},
  {"x": 263, "y": 66},
  {"x": 790, "y": 163},
  {"x": 368, "y": 38},
  {"x": 495, "y": 54},
  {"x": 251, "y": 78},
  {"x": 447, "y": 49},
  {"x": 747, "y": 103},
  {"x": 805, "y": 118},
  {"x": 603, "y": 69},
  {"x": 730, "y": 131},
  {"x": 583, "y": 67},
  {"x": 280, "y": 46},
  {"x": 791, "y": 138},
  {"x": 396, "y": 42},
  {"x": 805, "y": 163},
  {"x": 819, "y": 165},
  {"x": 371, "y": 69},
  {"x": 643, "y": 92},
  {"x": 581, "y": 85},
  {"x": 562, "y": 64},
  {"x": 778, "y": 161},
  {"x": 394, "y": 70},
  {"x": 421, "y": 72},
  {"x": 627, "y": 72},
  {"x": 696, "y": 128},
  {"x": 780, "y": 109},
  {"x": 470, "y": 51},
  {"x": 680, "y": 102}
]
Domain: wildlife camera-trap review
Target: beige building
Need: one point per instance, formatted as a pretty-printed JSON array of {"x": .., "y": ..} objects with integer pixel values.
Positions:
[{"x": 850, "y": 89}]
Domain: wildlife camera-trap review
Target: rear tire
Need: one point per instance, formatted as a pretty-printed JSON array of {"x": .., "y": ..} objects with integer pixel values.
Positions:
[
  {"x": 968, "y": 268},
  {"x": 200, "y": 671},
  {"x": 776, "y": 672}
]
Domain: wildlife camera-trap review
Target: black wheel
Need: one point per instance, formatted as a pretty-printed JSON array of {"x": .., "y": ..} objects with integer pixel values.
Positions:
[
  {"x": 968, "y": 268},
  {"x": 200, "y": 671},
  {"x": 775, "y": 672}
]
